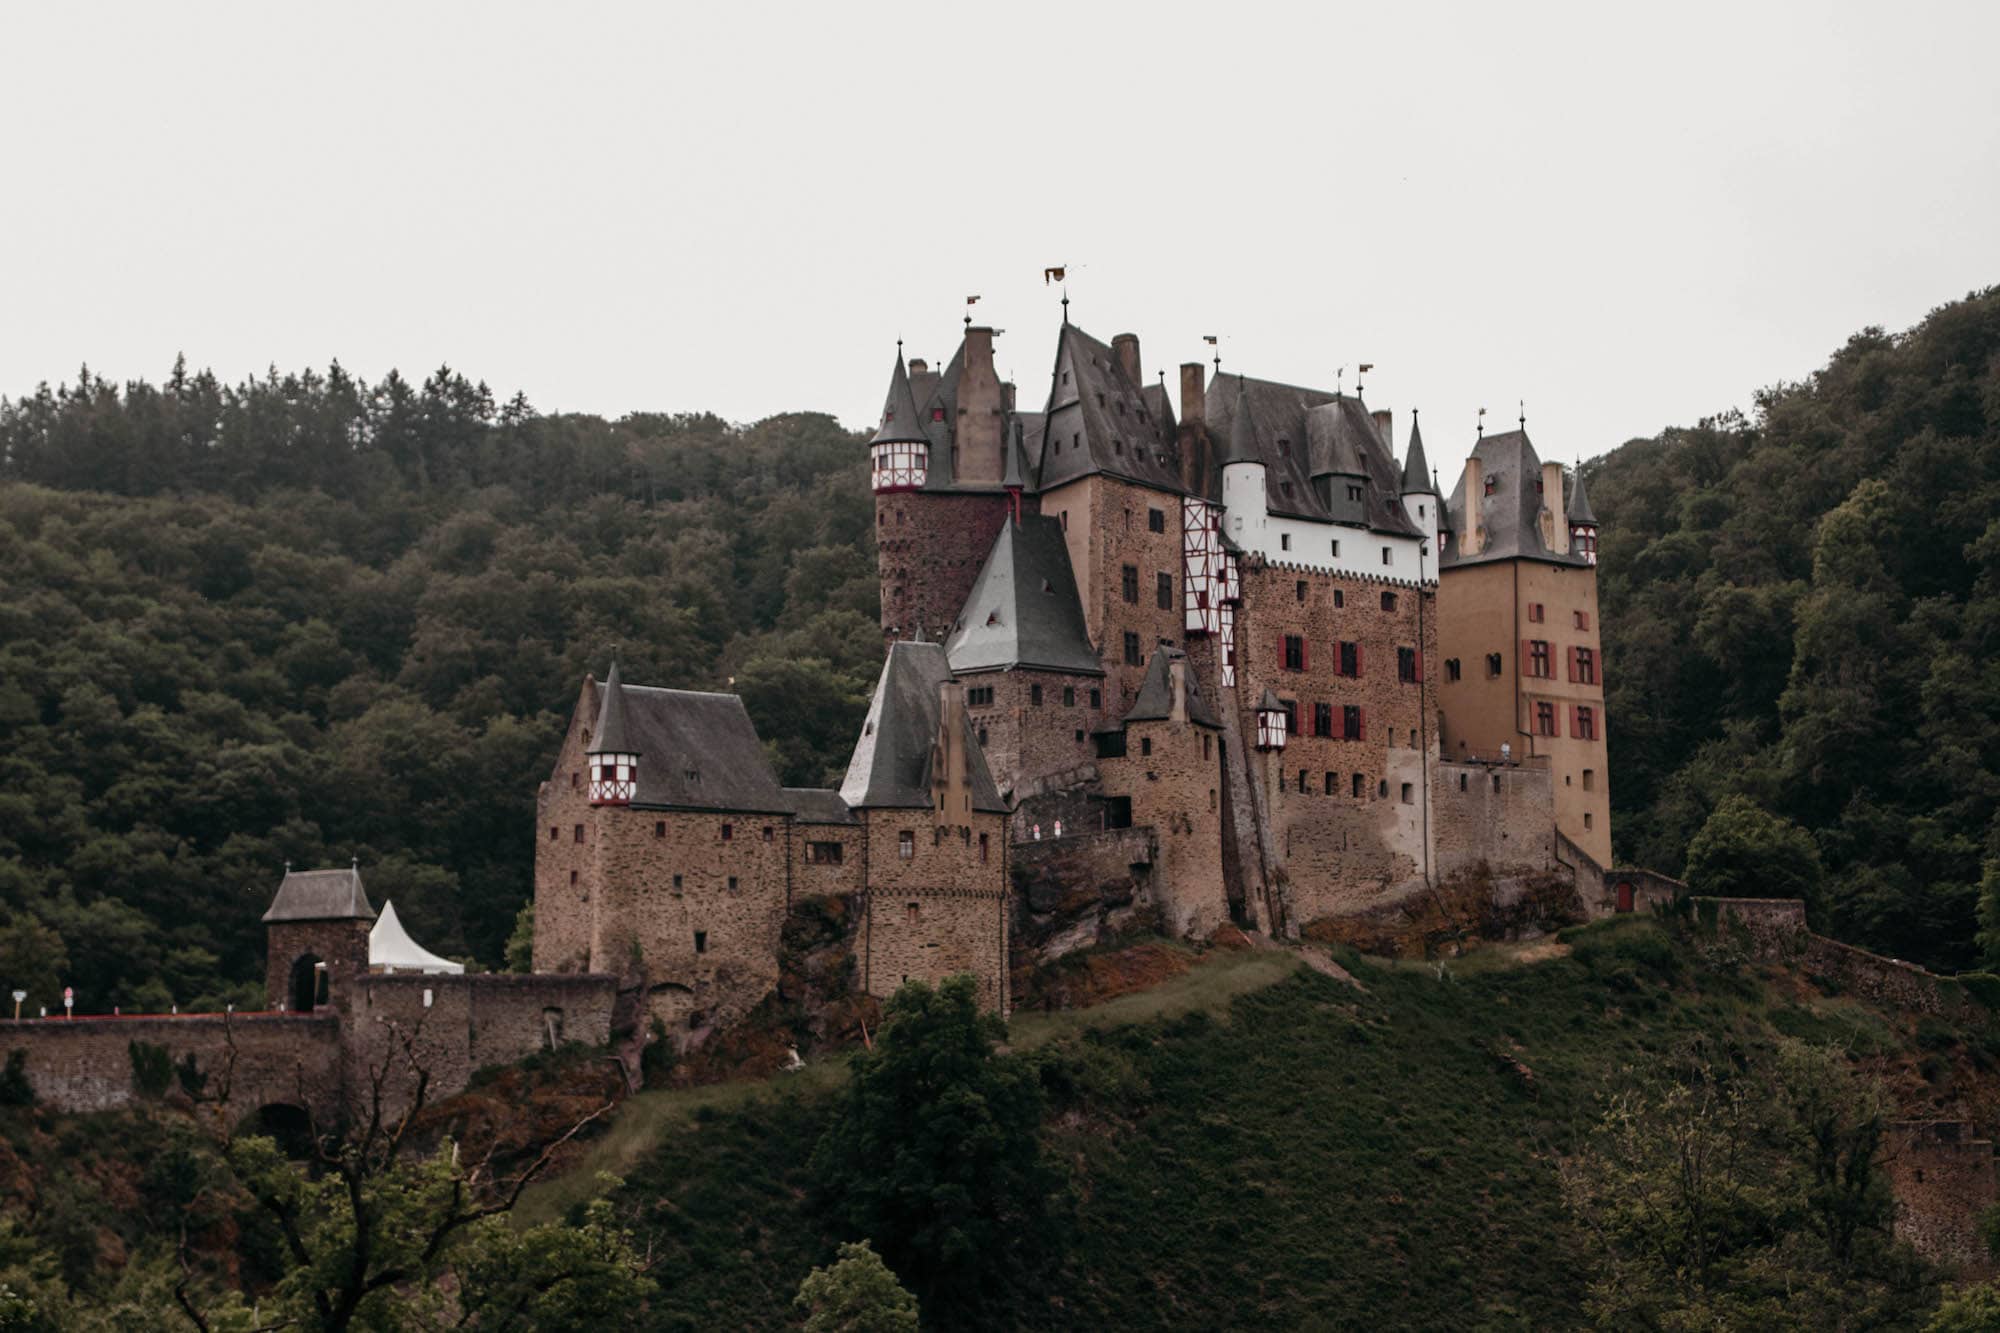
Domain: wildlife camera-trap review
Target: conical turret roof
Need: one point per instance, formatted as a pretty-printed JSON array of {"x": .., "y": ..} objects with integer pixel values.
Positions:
[
  {"x": 1270, "y": 703},
  {"x": 1417, "y": 468},
  {"x": 1242, "y": 445},
  {"x": 611, "y": 735},
  {"x": 1579, "y": 503},
  {"x": 899, "y": 411}
]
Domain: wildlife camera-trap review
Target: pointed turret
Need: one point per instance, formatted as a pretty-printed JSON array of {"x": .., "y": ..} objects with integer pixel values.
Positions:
[
  {"x": 1417, "y": 468},
  {"x": 1244, "y": 502},
  {"x": 1242, "y": 444},
  {"x": 1582, "y": 521},
  {"x": 900, "y": 450},
  {"x": 612, "y": 757}
]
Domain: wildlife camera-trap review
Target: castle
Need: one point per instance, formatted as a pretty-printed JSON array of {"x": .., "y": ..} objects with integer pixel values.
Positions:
[{"x": 1315, "y": 685}]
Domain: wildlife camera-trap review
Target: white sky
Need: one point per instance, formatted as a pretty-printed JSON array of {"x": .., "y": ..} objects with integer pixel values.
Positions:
[{"x": 1628, "y": 221}]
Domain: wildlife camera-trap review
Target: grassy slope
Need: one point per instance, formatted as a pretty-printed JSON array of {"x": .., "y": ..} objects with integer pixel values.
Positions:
[{"x": 1300, "y": 1153}]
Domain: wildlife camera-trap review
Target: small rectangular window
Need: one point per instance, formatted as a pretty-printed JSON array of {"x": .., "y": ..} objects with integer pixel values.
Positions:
[
  {"x": 982, "y": 849},
  {"x": 1132, "y": 657},
  {"x": 701, "y": 941},
  {"x": 1583, "y": 620},
  {"x": 1589, "y": 779},
  {"x": 1330, "y": 784},
  {"x": 1388, "y": 556},
  {"x": 906, "y": 844},
  {"x": 1359, "y": 786},
  {"x": 1299, "y": 590},
  {"x": 1069, "y": 696},
  {"x": 1035, "y": 695},
  {"x": 732, "y": 883},
  {"x": 1408, "y": 794},
  {"x": 1406, "y": 665},
  {"x": 1586, "y": 819},
  {"x": 1295, "y": 652},
  {"x": 728, "y": 832},
  {"x": 1339, "y": 597},
  {"x": 659, "y": 828},
  {"x": 1163, "y": 592},
  {"x": 1536, "y": 612},
  {"x": 579, "y": 833},
  {"x": 1156, "y": 521},
  {"x": 1451, "y": 669},
  {"x": 1097, "y": 697},
  {"x": 677, "y": 883},
  {"x": 1388, "y": 601},
  {"x": 572, "y": 879},
  {"x": 1493, "y": 665},
  {"x": 1285, "y": 538},
  {"x": 1145, "y": 745},
  {"x": 554, "y": 834},
  {"x": 1130, "y": 582},
  {"x": 768, "y": 833},
  {"x": 1336, "y": 548}
]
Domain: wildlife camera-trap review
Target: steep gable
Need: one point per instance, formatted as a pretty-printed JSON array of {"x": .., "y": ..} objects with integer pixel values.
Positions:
[{"x": 1023, "y": 610}]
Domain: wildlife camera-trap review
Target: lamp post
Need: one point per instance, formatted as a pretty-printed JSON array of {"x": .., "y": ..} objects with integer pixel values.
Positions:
[
  {"x": 69, "y": 1002},
  {"x": 19, "y": 996}
]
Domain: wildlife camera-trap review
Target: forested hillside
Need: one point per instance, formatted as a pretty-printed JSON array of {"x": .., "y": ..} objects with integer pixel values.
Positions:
[
  {"x": 1802, "y": 607},
  {"x": 305, "y": 618}
]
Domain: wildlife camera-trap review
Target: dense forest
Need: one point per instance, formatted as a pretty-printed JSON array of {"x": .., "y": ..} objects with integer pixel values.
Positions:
[
  {"x": 306, "y": 618},
  {"x": 1801, "y": 608}
]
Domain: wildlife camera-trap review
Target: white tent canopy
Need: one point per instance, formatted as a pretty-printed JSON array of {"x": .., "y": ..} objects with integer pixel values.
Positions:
[{"x": 391, "y": 948}]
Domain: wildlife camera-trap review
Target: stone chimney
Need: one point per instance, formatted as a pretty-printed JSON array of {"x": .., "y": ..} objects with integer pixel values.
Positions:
[
  {"x": 1177, "y": 686},
  {"x": 1007, "y": 396},
  {"x": 1193, "y": 395},
  {"x": 918, "y": 365},
  {"x": 1125, "y": 347},
  {"x": 1552, "y": 508},
  {"x": 1473, "y": 539},
  {"x": 951, "y": 776},
  {"x": 979, "y": 412},
  {"x": 1384, "y": 423}
]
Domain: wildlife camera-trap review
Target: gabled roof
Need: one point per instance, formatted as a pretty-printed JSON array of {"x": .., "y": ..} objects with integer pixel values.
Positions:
[
  {"x": 1159, "y": 404},
  {"x": 698, "y": 751},
  {"x": 1417, "y": 468},
  {"x": 1023, "y": 610},
  {"x": 1270, "y": 703},
  {"x": 1155, "y": 702},
  {"x": 1579, "y": 502},
  {"x": 891, "y": 764},
  {"x": 1289, "y": 423},
  {"x": 321, "y": 895},
  {"x": 610, "y": 735},
  {"x": 1099, "y": 421},
  {"x": 1511, "y": 515},
  {"x": 899, "y": 411},
  {"x": 819, "y": 805}
]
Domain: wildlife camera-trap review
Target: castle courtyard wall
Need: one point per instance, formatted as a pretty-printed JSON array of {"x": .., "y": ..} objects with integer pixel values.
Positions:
[
  {"x": 1026, "y": 742},
  {"x": 940, "y": 911},
  {"x": 248, "y": 1060},
  {"x": 1172, "y": 774}
]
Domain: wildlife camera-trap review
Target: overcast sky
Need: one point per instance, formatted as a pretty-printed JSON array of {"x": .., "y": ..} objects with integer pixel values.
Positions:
[{"x": 1630, "y": 217}]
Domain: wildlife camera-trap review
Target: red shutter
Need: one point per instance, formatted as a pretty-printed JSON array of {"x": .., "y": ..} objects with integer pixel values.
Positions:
[
  {"x": 1527, "y": 657},
  {"x": 1420, "y": 666},
  {"x": 1575, "y": 726}
]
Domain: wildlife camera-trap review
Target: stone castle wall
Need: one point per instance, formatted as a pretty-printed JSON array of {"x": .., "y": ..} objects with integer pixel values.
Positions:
[
  {"x": 940, "y": 910},
  {"x": 1172, "y": 774},
  {"x": 929, "y": 547},
  {"x": 1107, "y": 525},
  {"x": 247, "y": 1060},
  {"x": 1503, "y": 815},
  {"x": 1943, "y": 1178},
  {"x": 565, "y": 869},
  {"x": 1026, "y": 742}
]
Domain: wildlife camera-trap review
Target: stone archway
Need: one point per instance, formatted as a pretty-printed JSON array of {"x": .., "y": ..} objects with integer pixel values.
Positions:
[{"x": 307, "y": 988}]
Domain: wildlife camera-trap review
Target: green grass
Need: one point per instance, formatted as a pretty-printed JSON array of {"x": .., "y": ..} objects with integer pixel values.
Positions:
[{"x": 1279, "y": 1148}]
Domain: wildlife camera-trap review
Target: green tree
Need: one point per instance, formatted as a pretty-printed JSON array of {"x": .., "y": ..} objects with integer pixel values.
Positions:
[
  {"x": 935, "y": 1153},
  {"x": 856, "y": 1294},
  {"x": 1744, "y": 851}
]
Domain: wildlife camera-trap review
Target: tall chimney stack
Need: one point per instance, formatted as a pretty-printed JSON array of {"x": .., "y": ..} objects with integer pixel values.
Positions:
[
  {"x": 1193, "y": 395},
  {"x": 979, "y": 411},
  {"x": 1125, "y": 347},
  {"x": 1473, "y": 540},
  {"x": 1552, "y": 507},
  {"x": 1384, "y": 426}
]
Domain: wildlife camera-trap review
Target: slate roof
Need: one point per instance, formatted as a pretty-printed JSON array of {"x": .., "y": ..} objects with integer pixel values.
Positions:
[
  {"x": 610, "y": 735},
  {"x": 1579, "y": 502},
  {"x": 321, "y": 895},
  {"x": 891, "y": 764},
  {"x": 1270, "y": 703},
  {"x": 819, "y": 805},
  {"x": 899, "y": 411},
  {"x": 1155, "y": 702},
  {"x": 1417, "y": 468},
  {"x": 1023, "y": 610},
  {"x": 698, "y": 751},
  {"x": 1099, "y": 421},
  {"x": 1511, "y": 515},
  {"x": 1307, "y": 434}
]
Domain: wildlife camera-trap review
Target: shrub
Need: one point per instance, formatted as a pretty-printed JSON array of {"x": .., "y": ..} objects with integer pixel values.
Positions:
[{"x": 15, "y": 1090}]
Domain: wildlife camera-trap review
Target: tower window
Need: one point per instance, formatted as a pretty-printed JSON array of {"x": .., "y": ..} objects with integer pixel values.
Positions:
[
  {"x": 1406, "y": 793},
  {"x": 728, "y": 832},
  {"x": 1451, "y": 669},
  {"x": 1069, "y": 696},
  {"x": 1545, "y": 719},
  {"x": 1493, "y": 666},
  {"x": 701, "y": 941},
  {"x": 1295, "y": 652},
  {"x": 1388, "y": 598},
  {"x": 1285, "y": 538},
  {"x": 677, "y": 883},
  {"x": 1323, "y": 724},
  {"x": 1129, "y": 582},
  {"x": 579, "y": 833},
  {"x": 1132, "y": 657},
  {"x": 1582, "y": 619},
  {"x": 1163, "y": 592},
  {"x": 1035, "y": 695},
  {"x": 1358, "y": 790},
  {"x": 1583, "y": 724},
  {"x": 1156, "y": 521},
  {"x": 732, "y": 883},
  {"x": 1586, "y": 819},
  {"x": 1538, "y": 659},
  {"x": 1589, "y": 779},
  {"x": 1350, "y": 722},
  {"x": 1537, "y": 612},
  {"x": 1096, "y": 697},
  {"x": 1388, "y": 556},
  {"x": 1330, "y": 784},
  {"x": 659, "y": 828},
  {"x": 1299, "y": 590},
  {"x": 906, "y": 844},
  {"x": 1339, "y": 597},
  {"x": 1145, "y": 745}
]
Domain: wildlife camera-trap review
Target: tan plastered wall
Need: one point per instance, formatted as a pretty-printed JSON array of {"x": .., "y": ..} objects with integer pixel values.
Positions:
[{"x": 1484, "y": 609}]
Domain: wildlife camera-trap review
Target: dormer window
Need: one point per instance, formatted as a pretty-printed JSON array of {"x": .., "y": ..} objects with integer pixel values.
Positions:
[
  {"x": 1284, "y": 447},
  {"x": 937, "y": 414},
  {"x": 1491, "y": 483}
]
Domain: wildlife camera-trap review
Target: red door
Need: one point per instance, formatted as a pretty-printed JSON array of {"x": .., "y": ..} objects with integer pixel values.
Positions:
[{"x": 1624, "y": 895}]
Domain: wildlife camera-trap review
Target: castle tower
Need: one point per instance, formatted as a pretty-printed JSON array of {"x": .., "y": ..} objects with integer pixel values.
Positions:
[
  {"x": 612, "y": 758},
  {"x": 1243, "y": 498},
  {"x": 1518, "y": 633},
  {"x": 316, "y": 938},
  {"x": 939, "y": 472},
  {"x": 1420, "y": 497},
  {"x": 1582, "y": 522}
]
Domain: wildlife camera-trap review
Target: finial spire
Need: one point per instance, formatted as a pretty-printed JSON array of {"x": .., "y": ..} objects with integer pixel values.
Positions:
[
  {"x": 1065, "y": 303},
  {"x": 1482, "y": 423},
  {"x": 1524, "y": 413},
  {"x": 1366, "y": 366}
]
